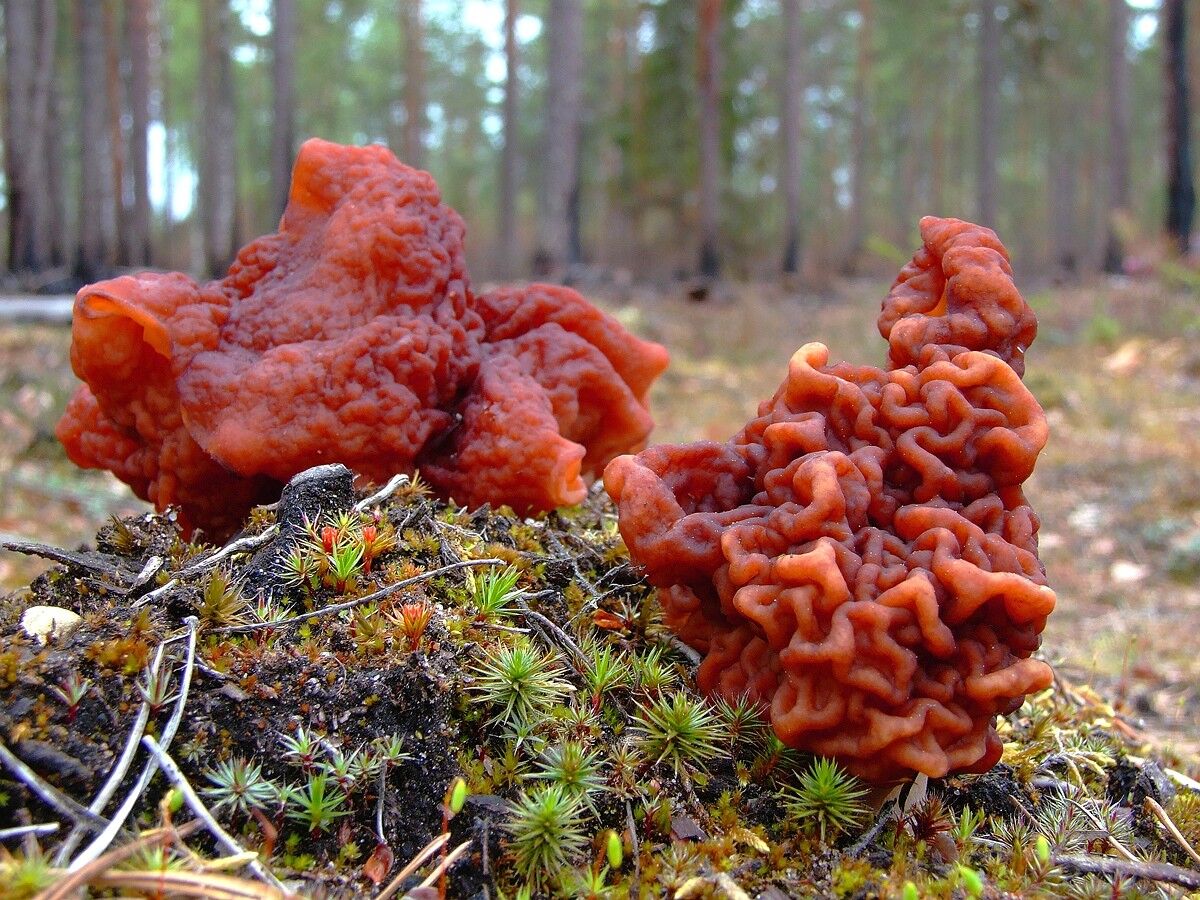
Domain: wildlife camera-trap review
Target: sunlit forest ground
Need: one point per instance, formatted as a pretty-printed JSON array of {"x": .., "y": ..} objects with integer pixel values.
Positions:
[{"x": 1116, "y": 364}]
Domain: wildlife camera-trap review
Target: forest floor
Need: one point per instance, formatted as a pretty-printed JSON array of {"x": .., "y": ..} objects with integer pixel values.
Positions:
[{"x": 1116, "y": 365}]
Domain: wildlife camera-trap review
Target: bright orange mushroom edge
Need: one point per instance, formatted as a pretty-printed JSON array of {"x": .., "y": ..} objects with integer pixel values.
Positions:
[
  {"x": 860, "y": 558},
  {"x": 351, "y": 335}
]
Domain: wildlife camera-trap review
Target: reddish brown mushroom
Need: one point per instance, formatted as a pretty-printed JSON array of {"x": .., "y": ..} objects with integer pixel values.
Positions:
[
  {"x": 351, "y": 335},
  {"x": 860, "y": 557}
]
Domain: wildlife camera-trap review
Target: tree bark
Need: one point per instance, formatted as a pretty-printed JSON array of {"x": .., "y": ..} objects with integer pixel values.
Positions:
[
  {"x": 989, "y": 97},
  {"x": 860, "y": 139},
  {"x": 509, "y": 158},
  {"x": 564, "y": 45},
  {"x": 138, "y": 24},
  {"x": 116, "y": 137},
  {"x": 1181, "y": 193},
  {"x": 1118, "y": 132},
  {"x": 791, "y": 112},
  {"x": 283, "y": 83},
  {"x": 710, "y": 136},
  {"x": 96, "y": 201},
  {"x": 218, "y": 175},
  {"x": 30, "y": 28},
  {"x": 414, "y": 84}
]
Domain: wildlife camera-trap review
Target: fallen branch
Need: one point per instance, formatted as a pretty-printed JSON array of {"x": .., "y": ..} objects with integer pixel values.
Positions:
[
  {"x": 413, "y": 864},
  {"x": 117, "y": 775},
  {"x": 394, "y": 484},
  {"x": 554, "y": 634},
  {"x": 358, "y": 601},
  {"x": 186, "y": 884},
  {"x": 223, "y": 838},
  {"x": 94, "y": 562},
  {"x": 72, "y": 881},
  {"x": 1169, "y": 824},
  {"x": 7, "y": 834},
  {"x": 210, "y": 561},
  {"x": 1107, "y": 865},
  {"x": 100, "y": 844},
  {"x": 49, "y": 794}
]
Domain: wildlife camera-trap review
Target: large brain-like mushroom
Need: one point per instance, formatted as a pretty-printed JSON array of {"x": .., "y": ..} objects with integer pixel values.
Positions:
[
  {"x": 351, "y": 335},
  {"x": 860, "y": 557}
]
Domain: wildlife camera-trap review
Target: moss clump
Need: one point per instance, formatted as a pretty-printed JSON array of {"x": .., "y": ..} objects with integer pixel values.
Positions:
[{"x": 546, "y": 681}]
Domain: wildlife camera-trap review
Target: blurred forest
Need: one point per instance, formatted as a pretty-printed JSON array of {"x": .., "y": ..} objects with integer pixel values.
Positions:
[{"x": 636, "y": 139}]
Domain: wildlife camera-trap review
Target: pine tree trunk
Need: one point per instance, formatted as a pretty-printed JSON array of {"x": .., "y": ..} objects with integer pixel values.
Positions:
[
  {"x": 860, "y": 140},
  {"x": 116, "y": 138},
  {"x": 1181, "y": 193},
  {"x": 283, "y": 83},
  {"x": 989, "y": 97},
  {"x": 710, "y": 136},
  {"x": 791, "y": 112},
  {"x": 509, "y": 159},
  {"x": 96, "y": 201},
  {"x": 218, "y": 173},
  {"x": 138, "y": 24},
  {"x": 414, "y": 84},
  {"x": 1118, "y": 132},
  {"x": 30, "y": 27},
  {"x": 564, "y": 48}
]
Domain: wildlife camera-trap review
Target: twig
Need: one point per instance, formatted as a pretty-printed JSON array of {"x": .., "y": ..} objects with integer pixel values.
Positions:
[
  {"x": 208, "y": 562},
  {"x": 90, "y": 560},
  {"x": 863, "y": 842},
  {"x": 358, "y": 601},
  {"x": 100, "y": 844},
  {"x": 445, "y": 865},
  {"x": 22, "y": 830},
  {"x": 692, "y": 655},
  {"x": 1107, "y": 865},
  {"x": 383, "y": 493},
  {"x": 222, "y": 837},
  {"x": 554, "y": 633},
  {"x": 149, "y": 570},
  {"x": 186, "y": 884},
  {"x": 1170, "y": 825},
  {"x": 117, "y": 775},
  {"x": 379, "y": 803},
  {"x": 633, "y": 845},
  {"x": 49, "y": 794},
  {"x": 413, "y": 864},
  {"x": 69, "y": 885}
]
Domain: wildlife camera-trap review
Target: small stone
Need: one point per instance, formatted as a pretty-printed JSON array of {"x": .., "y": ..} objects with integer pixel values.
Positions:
[{"x": 44, "y": 622}]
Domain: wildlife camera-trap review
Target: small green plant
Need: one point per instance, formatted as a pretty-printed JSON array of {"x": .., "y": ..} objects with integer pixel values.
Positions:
[
  {"x": 157, "y": 688},
  {"x": 389, "y": 750},
  {"x": 26, "y": 874},
  {"x": 71, "y": 690},
  {"x": 573, "y": 768},
  {"x": 679, "y": 729},
  {"x": 318, "y": 804},
  {"x": 301, "y": 750},
  {"x": 368, "y": 628},
  {"x": 239, "y": 784},
  {"x": 606, "y": 672},
  {"x": 546, "y": 834},
  {"x": 828, "y": 797},
  {"x": 653, "y": 676},
  {"x": 222, "y": 602},
  {"x": 376, "y": 539},
  {"x": 745, "y": 720},
  {"x": 299, "y": 569},
  {"x": 345, "y": 562},
  {"x": 494, "y": 593},
  {"x": 521, "y": 680}
]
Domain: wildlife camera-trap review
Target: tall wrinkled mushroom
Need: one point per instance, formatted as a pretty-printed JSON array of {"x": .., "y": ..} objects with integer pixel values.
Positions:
[
  {"x": 860, "y": 557},
  {"x": 351, "y": 335}
]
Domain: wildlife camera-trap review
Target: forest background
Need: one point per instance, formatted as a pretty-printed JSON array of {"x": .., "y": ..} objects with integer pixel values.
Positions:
[
  {"x": 643, "y": 138},
  {"x": 638, "y": 148}
]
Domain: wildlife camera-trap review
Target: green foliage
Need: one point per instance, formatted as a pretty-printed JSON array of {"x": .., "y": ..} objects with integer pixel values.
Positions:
[
  {"x": 317, "y": 804},
  {"x": 239, "y": 784},
  {"x": 574, "y": 768},
  {"x": 521, "y": 680},
  {"x": 25, "y": 874},
  {"x": 679, "y": 729},
  {"x": 494, "y": 593},
  {"x": 827, "y": 798},
  {"x": 546, "y": 834},
  {"x": 222, "y": 602}
]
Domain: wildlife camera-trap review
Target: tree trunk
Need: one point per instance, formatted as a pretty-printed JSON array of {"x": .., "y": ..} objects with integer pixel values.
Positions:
[
  {"x": 710, "y": 136},
  {"x": 1118, "y": 132},
  {"x": 30, "y": 27},
  {"x": 414, "y": 84},
  {"x": 283, "y": 82},
  {"x": 218, "y": 174},
  {"x": 116, "y": 136},
  {"x": 564, "y": 47},
  {"x": 137, "y": 22},
  {"x": 509, "y": 160},
  {"x": 1181, "y": 193},
  {"x": 96, "y": 202},
  {"x": 791, "y": 113},
  {"x": 989, "y": 96},
  {"x": 860, "y": 139}
]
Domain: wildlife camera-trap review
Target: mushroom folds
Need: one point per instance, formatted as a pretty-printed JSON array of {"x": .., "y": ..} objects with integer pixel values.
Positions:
[
  {"x": 351, "y": 335},
  {"x": 860, "y": 557}
]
